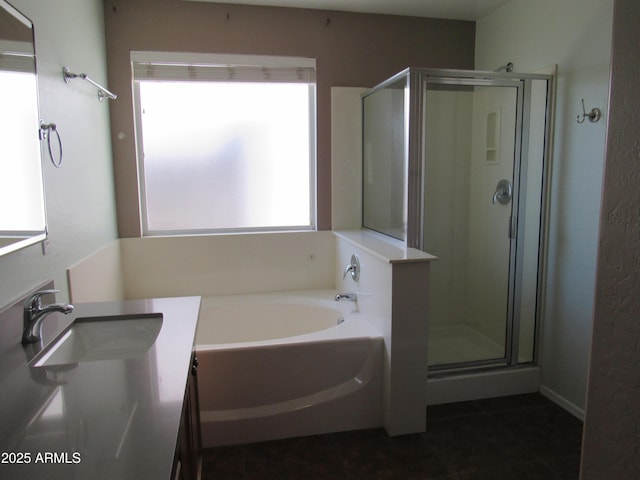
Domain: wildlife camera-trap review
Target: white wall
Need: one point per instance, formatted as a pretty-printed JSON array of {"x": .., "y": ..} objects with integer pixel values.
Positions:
[
  {"x": 227, "y": 264},
  {"x": 206, "y": 265},
  {"x": 575, "y": 35},
  {"x": 80, "y": 195},
  {"x": 346, "y": 158}
]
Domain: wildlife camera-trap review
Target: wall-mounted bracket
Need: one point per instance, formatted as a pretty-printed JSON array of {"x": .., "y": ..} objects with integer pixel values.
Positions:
[{"x": 102, "y": 92}]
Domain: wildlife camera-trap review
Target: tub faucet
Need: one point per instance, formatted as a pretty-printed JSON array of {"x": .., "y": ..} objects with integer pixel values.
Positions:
[
  {"x": 351, "y": 297},
  {"x": 353, "y": 268},
  {"x": 34, "y": 313}
]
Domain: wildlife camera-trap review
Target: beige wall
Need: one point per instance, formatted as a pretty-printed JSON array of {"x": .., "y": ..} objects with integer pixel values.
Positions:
[
  {"x": 351, "y": 50},
  {"x": 80, "y": 203},
  {"x": 611, "y": 447}
]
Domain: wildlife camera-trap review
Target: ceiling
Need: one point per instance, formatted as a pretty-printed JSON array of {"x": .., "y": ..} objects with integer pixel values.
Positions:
[{"x": 454, "y": 9}]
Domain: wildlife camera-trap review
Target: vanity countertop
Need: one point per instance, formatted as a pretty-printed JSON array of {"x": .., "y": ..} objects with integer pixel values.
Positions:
[{"x": 103, "y": 419}]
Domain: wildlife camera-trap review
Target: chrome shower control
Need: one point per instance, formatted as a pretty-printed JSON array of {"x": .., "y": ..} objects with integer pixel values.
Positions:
[
  {"x": 353, "y": 268},
  {"x": 503, "y": 192}
]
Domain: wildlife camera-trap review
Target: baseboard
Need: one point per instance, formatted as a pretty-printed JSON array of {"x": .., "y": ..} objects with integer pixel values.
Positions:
[{"x": 559, "y": 400}]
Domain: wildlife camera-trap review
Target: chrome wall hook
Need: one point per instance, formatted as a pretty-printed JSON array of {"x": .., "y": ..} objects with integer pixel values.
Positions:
[
  {"x": 507, "y": 67},
  {"x": 593, "y": 116}
]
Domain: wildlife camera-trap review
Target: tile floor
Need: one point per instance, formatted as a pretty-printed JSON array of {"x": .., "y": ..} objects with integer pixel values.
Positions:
[{"x": 522, "y": 437}]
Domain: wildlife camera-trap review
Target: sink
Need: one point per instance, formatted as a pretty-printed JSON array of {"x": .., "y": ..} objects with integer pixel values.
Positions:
[{"x": 102, "y": 338}]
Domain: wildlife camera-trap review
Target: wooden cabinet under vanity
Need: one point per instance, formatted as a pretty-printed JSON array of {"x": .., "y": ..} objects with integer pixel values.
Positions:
[{"x": 188, "y": 459}]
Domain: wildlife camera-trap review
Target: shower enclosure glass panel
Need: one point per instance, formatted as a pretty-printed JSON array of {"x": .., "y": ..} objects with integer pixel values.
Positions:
[
  {"x": 384, "y": 157},
  {"x": 470, "y": 162}
]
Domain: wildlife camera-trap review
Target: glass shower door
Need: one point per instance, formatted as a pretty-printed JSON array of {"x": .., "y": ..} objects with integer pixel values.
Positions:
[{"x": 470, "y": 170}]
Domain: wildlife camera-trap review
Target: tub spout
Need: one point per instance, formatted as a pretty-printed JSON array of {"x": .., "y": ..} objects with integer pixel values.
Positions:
[{"x": 351, "y": 297}]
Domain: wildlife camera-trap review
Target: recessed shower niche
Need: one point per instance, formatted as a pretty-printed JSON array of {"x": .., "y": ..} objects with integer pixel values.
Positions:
[
  {"x": 455, "y": 164},
  {"x": 492, "y": 142}
]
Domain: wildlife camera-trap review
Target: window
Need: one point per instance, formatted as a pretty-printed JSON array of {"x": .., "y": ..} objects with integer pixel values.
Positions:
[{"x": 225, "y": 143}]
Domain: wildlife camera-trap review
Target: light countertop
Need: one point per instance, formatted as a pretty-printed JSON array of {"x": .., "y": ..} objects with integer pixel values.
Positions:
[
  {"x": 387, "y": 249},
  {"x": 103, "y": 419}
]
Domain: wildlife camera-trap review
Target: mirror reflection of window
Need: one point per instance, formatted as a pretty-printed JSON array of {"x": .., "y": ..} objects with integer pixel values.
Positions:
[
  {"x": 22, "y": 212},
  {"x": 18, "y": 146}
]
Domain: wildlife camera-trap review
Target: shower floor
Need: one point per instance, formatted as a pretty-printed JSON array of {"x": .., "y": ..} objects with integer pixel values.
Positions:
[{"x": 460, "y": 343}]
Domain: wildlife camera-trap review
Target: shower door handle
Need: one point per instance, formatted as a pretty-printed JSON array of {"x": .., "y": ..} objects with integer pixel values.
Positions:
[{"x": 503, "y": 193}]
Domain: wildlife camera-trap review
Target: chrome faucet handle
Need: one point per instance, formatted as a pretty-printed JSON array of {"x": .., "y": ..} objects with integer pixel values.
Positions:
[
  {"x": 34, "y": 301},
  {"x": 353, "y": 268},
  {"x": 349, "y": 269}
]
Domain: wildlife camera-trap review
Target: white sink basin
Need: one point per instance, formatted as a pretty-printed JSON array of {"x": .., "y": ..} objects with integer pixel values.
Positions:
[{"x": 103, "y": 338}]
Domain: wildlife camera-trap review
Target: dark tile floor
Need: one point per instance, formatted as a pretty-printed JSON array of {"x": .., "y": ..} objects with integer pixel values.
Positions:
[{"x": 522, "y": 437}]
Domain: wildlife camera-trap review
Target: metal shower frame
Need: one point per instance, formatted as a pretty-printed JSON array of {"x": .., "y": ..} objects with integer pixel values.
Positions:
[{"x": 416, "y": 81}]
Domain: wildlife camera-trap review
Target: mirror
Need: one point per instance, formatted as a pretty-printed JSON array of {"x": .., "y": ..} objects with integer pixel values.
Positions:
[{"x": 22, "y": 211}]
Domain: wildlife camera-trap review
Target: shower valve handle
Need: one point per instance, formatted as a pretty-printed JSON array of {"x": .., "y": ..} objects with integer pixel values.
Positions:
[
  {"x": 353, "y": 268},
  {"x": 503, "y": 193}
]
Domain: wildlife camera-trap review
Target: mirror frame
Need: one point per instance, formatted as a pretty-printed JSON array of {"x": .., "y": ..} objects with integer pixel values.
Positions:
[{"x": 10, "y": 241}]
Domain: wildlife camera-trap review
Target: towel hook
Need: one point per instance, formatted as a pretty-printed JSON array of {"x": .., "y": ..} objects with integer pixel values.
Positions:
[{"x": 593, "y": 116}]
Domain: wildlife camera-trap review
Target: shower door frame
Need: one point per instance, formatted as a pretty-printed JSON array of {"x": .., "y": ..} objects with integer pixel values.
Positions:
[{"x": 418, "y": 80}]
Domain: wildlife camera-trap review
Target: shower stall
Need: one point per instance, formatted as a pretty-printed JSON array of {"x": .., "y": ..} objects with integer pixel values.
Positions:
[{"x": 455, "y": 163}]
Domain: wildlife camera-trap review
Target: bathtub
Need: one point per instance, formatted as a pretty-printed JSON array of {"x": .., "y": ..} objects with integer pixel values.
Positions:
[{"x": 281, "y": 365}]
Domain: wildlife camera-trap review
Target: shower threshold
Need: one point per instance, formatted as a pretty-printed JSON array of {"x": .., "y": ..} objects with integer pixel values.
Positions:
[{"x": 481, "y": 382}]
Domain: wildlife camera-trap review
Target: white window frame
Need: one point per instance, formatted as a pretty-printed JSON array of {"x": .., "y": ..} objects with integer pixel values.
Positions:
[{"x": 179, "y": 66}]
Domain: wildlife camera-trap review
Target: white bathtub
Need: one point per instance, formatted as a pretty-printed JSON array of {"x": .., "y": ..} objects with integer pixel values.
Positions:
[{"x": 280, "y": 365}]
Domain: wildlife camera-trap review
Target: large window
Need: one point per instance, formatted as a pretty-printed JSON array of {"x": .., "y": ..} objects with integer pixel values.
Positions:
[{"x": 225, "y": 143}]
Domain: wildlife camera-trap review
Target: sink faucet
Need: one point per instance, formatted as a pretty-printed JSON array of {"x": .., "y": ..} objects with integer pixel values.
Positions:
[
  {"x": 34, "y": 313},
  {"x": 352, "y": 297}
]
